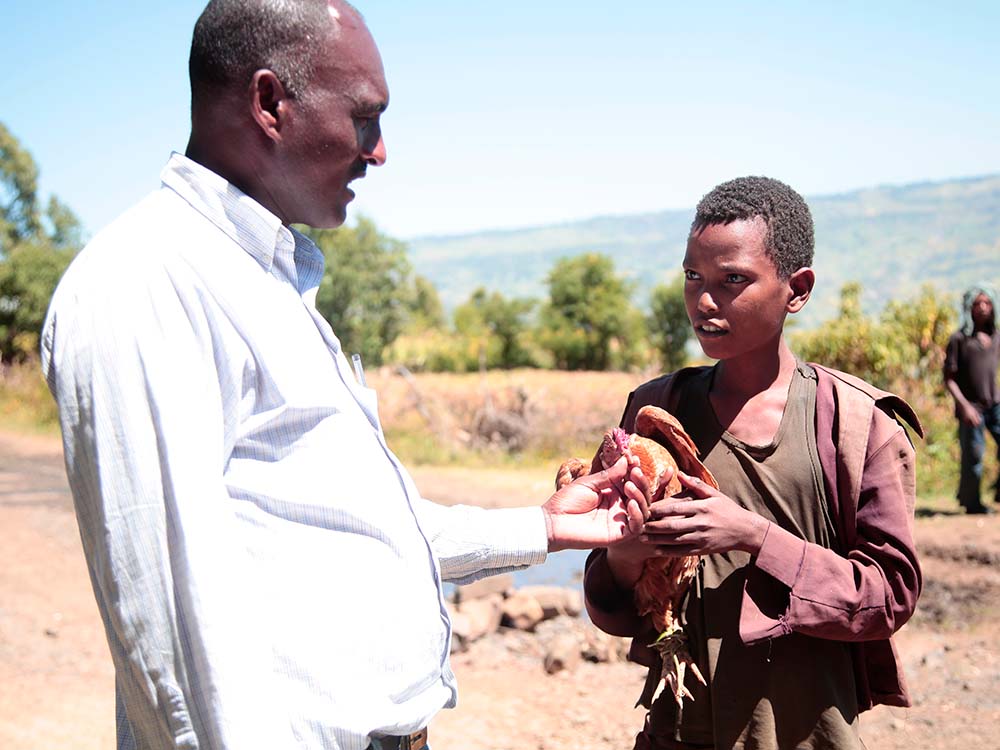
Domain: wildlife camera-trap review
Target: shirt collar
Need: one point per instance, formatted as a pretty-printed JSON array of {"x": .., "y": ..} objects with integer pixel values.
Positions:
[{"x": 244, "y": 220}]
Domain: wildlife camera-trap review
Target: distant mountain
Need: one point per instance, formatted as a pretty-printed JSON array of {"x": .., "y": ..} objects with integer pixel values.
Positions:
[{"x": 892, "y": 239}]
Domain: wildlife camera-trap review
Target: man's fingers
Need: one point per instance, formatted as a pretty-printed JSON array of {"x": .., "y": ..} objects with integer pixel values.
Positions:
[
  {"x": 637, "y": 488},
  {"x": 612, "y": 478},
  {"x": 635, "y": 517}
]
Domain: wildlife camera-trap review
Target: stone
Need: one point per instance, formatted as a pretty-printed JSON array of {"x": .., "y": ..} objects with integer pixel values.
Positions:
[
  {"x": 522, "y": 611},
  {"x": 563, "y": 654},
  {"x": 461, "y": 627},
  {"x": 483, "y": 615},
  {"x": 603, "y": 648},
  {"x": 502, "y": 584},
  {"x": 556, "y": 600}
]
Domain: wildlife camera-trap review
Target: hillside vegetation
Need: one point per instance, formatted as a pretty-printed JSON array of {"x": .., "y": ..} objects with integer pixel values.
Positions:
[{"x": 890, "y": 239}]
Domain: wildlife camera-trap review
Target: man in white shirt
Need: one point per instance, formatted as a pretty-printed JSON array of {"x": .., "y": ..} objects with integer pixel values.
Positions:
[{"x": 268, "y": 575}]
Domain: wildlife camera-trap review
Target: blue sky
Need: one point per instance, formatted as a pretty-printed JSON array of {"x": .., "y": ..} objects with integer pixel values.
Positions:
[{"x": 522, "y": 113}]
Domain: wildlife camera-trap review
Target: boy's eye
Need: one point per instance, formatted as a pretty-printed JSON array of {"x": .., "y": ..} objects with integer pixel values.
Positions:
[
  {"x": 690, "y": 275},
  {"x": 735, "y": 278}
]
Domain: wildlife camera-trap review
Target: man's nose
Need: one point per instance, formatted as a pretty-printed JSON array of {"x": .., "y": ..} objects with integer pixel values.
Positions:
[{"x": 376, "y": 155}]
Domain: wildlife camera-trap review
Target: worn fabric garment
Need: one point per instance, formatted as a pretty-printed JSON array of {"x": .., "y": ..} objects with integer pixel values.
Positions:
[
  {"x": 794, "y": 692},
  {"x": 972, "y": 444},
  {"x": 860, "y": 595},
  {"x": 973, "y": 365},
  {"x": 267, "y": 572}
]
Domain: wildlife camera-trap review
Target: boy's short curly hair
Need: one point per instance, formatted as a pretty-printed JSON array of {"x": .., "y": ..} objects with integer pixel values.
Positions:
[{"x": 790, "y": 237}]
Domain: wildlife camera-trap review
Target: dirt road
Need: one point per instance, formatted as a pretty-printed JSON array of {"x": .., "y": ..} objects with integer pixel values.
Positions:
[{"x": 56, "y": 681}]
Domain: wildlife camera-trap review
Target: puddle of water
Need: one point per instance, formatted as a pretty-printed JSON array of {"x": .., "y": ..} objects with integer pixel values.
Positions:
[{"x": 559, "y": 569}]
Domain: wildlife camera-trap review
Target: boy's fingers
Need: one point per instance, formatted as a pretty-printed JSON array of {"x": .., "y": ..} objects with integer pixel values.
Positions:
[
  {"x": 698, "y": 487},
  {"x": 674, "y": 509}
]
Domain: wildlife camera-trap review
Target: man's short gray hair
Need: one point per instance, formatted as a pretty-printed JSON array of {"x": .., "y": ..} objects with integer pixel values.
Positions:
[{"x": 235, "y": 38}]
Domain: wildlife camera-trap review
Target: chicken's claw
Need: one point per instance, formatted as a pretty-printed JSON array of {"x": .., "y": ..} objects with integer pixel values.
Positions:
[{"x": 675, "y": 659}]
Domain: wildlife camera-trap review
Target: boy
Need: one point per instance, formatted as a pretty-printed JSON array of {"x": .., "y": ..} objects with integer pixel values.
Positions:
[
  {"x": 970, "y": 375},
  {"x": 809, "y": 563}
]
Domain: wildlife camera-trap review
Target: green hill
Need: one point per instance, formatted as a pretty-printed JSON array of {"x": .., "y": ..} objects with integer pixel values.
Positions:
[{"x": 892, "y": 239}]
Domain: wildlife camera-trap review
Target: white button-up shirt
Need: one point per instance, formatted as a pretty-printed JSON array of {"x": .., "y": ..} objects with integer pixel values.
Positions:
[{"x": 268, "y": 575}]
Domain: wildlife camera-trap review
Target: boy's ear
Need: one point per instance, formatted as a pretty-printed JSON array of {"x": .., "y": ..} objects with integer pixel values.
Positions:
[{"x": 800, "y": 286}]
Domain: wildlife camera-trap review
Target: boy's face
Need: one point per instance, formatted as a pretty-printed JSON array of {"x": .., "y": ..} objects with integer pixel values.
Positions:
[{"x": 735, "y": 299}]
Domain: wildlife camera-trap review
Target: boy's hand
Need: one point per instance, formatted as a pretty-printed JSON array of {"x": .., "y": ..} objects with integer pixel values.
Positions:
[
  {"x": 706, "y": 523},
  {"x": 627, "y": 559}
]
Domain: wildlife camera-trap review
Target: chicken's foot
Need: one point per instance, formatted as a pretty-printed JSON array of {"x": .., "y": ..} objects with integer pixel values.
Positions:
[{"x": 675, "y": 658}]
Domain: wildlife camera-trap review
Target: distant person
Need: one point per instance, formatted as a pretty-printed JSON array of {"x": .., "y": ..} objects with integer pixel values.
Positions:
[
  {"x": 809, "y": 561},
  {"x": 970, "y": 374},
  {"x": 267, "y": 572}
]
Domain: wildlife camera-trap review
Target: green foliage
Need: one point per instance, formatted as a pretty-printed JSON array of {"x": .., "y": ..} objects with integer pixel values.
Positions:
[
  {"x": 668, "y": 324},
  {"x": 906, "y": 342},
  {"x": 66, "y": 233},
  {"x": 894, "y": 238},
  {"x": 432, "y": 350},
  {"x": 426, "y": 310},
  {"x": 588, "y": 322},
  {"x": 28, "y": 276},
  {"x": 498, "y": 326},
  {"x": 32, "y": 256},
  {"x": 366, "y": 293},
  {"x": 19, "y": 215},
  {"x": 902, "y": 351},
  {"x": 490, "y": 332}
]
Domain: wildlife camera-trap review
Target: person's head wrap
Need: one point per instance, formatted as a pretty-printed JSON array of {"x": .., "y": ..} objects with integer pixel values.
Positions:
[{"x": 968, "y": 298}]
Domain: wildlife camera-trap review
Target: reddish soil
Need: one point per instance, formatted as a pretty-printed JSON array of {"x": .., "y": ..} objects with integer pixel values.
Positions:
[{"x": 56, "y": 677}]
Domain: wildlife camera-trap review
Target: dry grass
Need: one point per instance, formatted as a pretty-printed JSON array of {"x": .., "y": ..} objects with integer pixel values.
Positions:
[
  {"x": 528, "y": 416},
  {"x": 519, "y": 418},
  {"x": 25, "y": 402},
  {"x": 559, "y": 414}
]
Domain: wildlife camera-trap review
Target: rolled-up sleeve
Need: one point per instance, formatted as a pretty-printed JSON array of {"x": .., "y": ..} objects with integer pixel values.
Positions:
[
  {"x": 797, "y": 586},
  {"x": 472, "y": 543}
]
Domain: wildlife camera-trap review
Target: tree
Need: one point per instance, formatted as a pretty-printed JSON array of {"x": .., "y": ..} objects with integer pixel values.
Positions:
[
  {"x": 19, "y": 215},
  {"x": 366, "y": 292},
  {"x": 425, "y": 308},
  {"x": 905, "y": 343},
  {"x": 498, "y": 326},
  {"x": 588, "y": 322},
  {"x": 668, "y": 323},
  {"x": 35, "y": 249},
  {"x": 922, "y": 325},
  {"x": 28, "y": 277}
]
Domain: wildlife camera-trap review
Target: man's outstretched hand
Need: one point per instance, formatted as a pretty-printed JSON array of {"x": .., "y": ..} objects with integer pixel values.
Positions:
[{"x": 598, "y": 510}]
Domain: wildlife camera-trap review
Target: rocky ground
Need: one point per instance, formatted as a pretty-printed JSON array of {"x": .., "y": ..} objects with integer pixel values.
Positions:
[{"x": 56, "y": 678}]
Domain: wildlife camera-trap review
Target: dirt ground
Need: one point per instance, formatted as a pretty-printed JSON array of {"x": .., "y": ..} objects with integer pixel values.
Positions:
[{"x": 56, "y": 680}]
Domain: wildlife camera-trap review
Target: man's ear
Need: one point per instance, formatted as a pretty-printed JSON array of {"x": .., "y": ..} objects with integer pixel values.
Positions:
[
  {"x": 800, "y": 285},
  {"x": 268, "y": 103}
]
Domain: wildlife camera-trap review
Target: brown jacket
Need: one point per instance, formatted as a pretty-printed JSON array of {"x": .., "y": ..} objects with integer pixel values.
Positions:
[{"x": 794, "y": 586}]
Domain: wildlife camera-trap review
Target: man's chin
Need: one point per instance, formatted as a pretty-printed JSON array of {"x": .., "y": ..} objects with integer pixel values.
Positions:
[{"x": 331, "y": 220}]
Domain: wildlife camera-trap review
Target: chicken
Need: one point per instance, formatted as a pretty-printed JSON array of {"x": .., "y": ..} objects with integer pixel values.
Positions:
[{"x": 662, "y": 446}]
